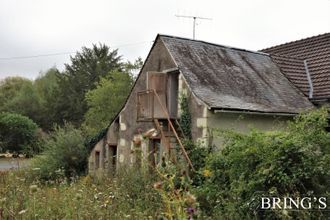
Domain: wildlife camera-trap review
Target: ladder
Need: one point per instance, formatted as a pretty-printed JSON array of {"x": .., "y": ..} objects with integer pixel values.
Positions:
[{"x": 167, "y": 142}]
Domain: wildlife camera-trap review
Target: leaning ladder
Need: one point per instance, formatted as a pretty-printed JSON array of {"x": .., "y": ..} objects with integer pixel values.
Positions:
[{"x": 173, "y": 129}]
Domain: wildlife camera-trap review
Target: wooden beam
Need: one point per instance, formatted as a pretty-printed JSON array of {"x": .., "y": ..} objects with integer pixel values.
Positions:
[{"x": 173, "y": 129}]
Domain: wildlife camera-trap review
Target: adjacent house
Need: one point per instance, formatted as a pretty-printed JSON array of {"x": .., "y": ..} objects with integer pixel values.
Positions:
[
  {"x": 226, "y": 87},
  {"x": 306, "y": 63}
]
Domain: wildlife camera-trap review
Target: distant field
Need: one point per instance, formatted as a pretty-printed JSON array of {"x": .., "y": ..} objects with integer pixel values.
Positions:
[{"x": 13, "y": 163}]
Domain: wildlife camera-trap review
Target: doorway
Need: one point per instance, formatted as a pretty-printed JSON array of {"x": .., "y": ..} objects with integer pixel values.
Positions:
[
  {"x": 112, "y": 158},
  {"x": 154, "y": 152}
]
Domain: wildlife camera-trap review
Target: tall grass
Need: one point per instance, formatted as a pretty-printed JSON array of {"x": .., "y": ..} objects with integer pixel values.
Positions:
[{"x": 130, "y": 196}]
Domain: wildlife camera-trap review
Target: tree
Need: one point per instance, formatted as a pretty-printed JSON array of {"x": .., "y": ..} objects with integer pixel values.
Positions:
[
  {"x": 47, "y": 87},
  {"x": 9, "y": 88},
  {"x": 106, "y": 99},
  {"x": 133, "y": 68},
  {"x": 26, "y": 102},
  {"x": 81, "y": 75},
  {"x": 18, "y": 134},
  {"x": 18, "y": 95}
]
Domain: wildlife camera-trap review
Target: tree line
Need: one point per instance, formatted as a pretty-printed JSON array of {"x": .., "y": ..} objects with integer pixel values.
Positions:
[{"x": 87, "y": 94}]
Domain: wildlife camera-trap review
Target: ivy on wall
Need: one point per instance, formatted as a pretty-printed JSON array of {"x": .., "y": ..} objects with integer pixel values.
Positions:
[
  {"x": 185, "y": 119},
  {"x": 91, "y": 142},
  {"x": 197, "y": 153}
]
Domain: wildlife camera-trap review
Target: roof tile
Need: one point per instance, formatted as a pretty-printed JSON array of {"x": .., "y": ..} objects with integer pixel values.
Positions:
[{"x": 316, "y": 51}]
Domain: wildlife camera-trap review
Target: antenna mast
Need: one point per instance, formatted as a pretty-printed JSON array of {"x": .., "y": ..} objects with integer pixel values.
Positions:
[{"x": 194, "y": 21}]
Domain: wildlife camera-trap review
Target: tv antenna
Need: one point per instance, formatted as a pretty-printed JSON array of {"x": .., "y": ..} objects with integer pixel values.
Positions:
[{"x": 194, "y": 21}]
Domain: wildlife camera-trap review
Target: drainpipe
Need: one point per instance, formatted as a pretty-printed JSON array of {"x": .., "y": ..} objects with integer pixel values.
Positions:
[{"x": 311, "y": 89}]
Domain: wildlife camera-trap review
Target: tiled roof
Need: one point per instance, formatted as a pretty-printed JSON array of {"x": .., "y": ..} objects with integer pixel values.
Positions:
[
  {"x": 234, "y": 79},
  {"x": 316, "y": 51}
]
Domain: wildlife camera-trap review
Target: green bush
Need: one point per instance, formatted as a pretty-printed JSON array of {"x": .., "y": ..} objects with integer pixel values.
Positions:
[
  {"x": 294, "y": 162},
  {"x": 64, "y": 156},
  {"x": 18, "y": 134}
]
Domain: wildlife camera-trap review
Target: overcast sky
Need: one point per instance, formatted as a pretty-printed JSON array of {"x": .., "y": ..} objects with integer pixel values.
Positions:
[{"x": 39, "y": 27}]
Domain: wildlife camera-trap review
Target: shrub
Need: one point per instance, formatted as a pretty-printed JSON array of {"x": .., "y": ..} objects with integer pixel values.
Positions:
[
  {"x": 293, "y": 163},
  {"x": 64, "y": 154},
  {"x": 18, "y": 134}
]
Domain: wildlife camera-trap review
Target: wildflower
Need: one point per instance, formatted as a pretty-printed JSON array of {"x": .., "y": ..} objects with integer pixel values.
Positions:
[
  {"x": 190, "y": 199},
  {"x": 98, "y": 195},
  {"x": 191, "y": 211},
  {"x": 22, "y": 211},
  {"x": 207, "y": 173},
  {"x": 285, "y": 212},
  {"x": 78, "y": 196},
  {"x": 158, "y": 185},
  {"x": 33, "y": 188}
]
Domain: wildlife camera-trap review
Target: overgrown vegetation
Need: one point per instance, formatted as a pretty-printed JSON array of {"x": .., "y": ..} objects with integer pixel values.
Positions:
[
  {"x": 197, "y": 152},
  {"x": 84, "y": 198},
  {"x": 133, "y": 194},
  {"x": 64, "y": 155},
  {"x": 185, "y": 116},
  {"x": 294, "y": 162}
]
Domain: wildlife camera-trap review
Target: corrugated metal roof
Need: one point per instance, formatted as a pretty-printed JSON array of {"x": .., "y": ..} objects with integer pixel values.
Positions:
[
  {"x": 316, "y": 50},
  {"x": 231, "y": 78}
]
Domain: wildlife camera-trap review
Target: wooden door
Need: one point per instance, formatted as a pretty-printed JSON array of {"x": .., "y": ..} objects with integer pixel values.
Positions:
[{"x": 158, "y": 82}]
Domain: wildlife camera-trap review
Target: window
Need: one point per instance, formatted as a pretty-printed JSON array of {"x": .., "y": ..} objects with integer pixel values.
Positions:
[
  {"x": 172, "y": 93},
  {"x": 112, "y": 158},
  {"x": 97, "y": 159}
]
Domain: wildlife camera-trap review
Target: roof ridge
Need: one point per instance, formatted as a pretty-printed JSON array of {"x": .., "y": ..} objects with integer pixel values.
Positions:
[
  {"x": 295, "y": 41},
  {"x": 214, "y": 44}
]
